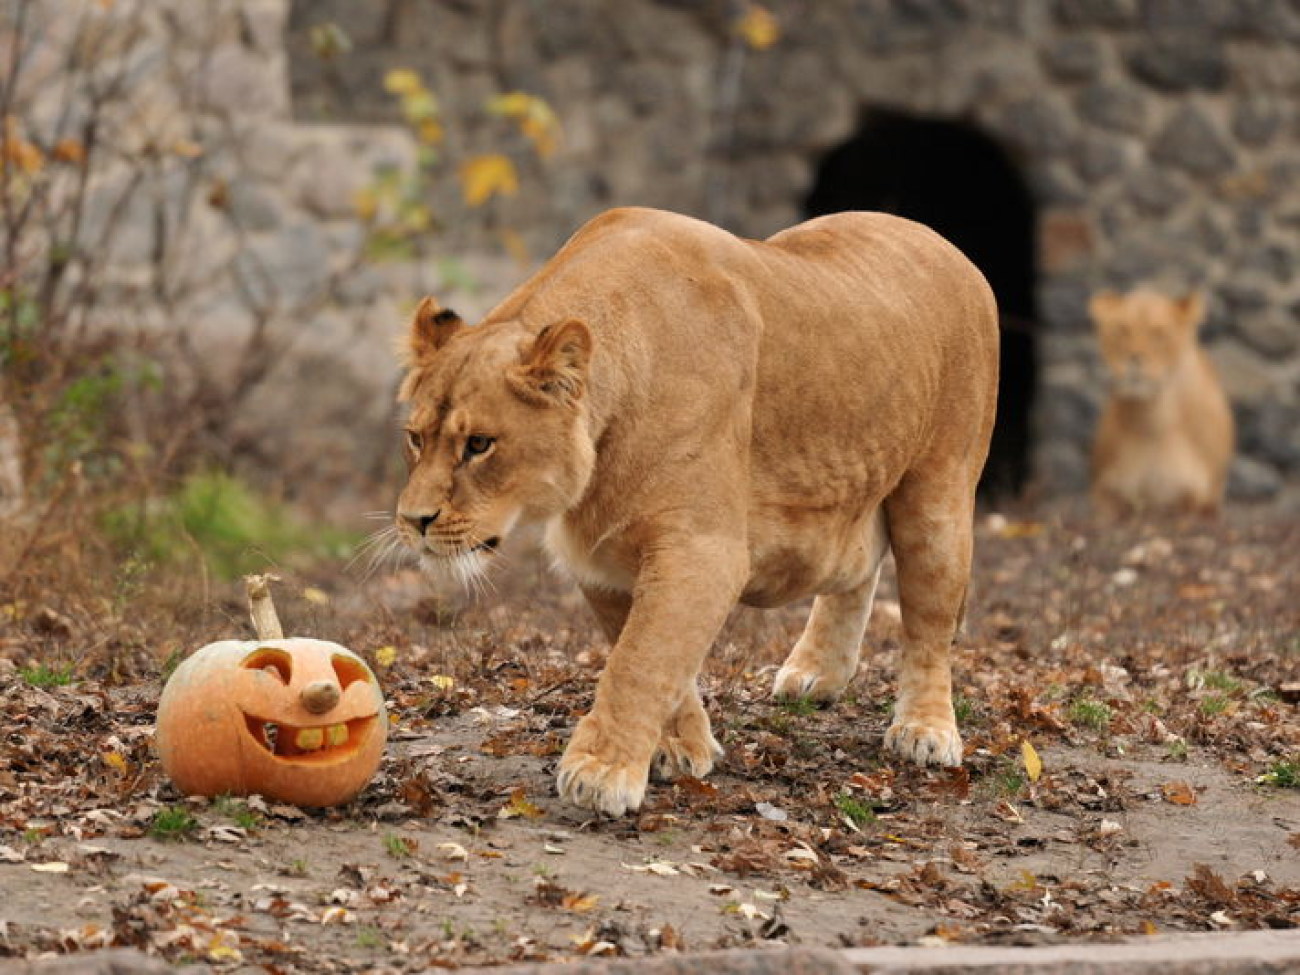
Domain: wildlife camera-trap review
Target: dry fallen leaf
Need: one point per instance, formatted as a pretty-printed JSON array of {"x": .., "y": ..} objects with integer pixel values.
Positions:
[
  {"x": 1179, "y": 793},
  {"x": 1033, "y": 764},
  {"x": 453, "y": 851}
]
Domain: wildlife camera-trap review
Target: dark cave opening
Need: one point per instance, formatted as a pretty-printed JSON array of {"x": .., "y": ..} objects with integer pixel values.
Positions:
[{"x": 952, "y": 177}]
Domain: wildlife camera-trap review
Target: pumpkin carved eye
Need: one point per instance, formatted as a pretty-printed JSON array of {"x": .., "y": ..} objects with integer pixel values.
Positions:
[
  {"x": 349, "y": 671},
  {"x": 273, "y": 661}
]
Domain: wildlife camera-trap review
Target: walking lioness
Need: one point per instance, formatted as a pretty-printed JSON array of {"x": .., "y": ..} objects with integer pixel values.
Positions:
[{"x": 700, "y": 419}]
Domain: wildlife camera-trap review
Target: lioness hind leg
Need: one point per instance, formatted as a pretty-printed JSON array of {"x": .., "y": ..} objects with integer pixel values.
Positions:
[
  {"x": 825, "y": 658},
  {"x": 931, "y": 537},
  {"x": 687, "y": 746}
]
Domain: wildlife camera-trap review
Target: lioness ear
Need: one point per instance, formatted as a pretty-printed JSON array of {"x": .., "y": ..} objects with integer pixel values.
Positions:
[
  {"x": 432, "y": 327},
  {"x": 554, "y": 368},
  {"x": 1103, "y": 306},
  {"x": 1191, "y": 309}
]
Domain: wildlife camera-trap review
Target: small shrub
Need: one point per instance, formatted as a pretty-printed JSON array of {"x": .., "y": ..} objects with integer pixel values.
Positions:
[
  {"x": 397, "y": 846},
  {"x": 1214, "y": 704},
  {"x": 1283, "y": 774},
  {"x": 858, "y": 812},
  {"x": 1091, "y": 713},
  {"x": 43, "y": 675},
  {"x": 172, "y": 823},
  {"x": 237, "y": 812},
  {"x": 236, "y": 529},
  {"x": 800, "y": 706}
]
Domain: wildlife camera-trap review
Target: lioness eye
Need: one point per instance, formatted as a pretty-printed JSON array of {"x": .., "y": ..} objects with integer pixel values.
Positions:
[
  {"x": 414, "y": 441},
  {"x": 477, "y": 444}
]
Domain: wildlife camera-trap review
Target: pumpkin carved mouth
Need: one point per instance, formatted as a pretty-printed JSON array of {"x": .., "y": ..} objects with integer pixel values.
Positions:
[{"x": 313, "y": 744}]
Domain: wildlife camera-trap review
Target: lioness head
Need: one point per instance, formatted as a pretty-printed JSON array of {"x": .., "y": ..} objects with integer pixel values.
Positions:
[
  {"x": 496, "y": 432},
  {"x": 1143, "y": 335}
]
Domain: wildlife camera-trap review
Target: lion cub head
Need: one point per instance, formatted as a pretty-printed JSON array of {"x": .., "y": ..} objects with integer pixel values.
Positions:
[
  {"x": 496, "y": 433},
  {"x": 1144, "y": 337}
]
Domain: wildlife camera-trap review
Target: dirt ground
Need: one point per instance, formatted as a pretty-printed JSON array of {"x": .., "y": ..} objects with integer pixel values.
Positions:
[{"x": 1128, "y": 696}]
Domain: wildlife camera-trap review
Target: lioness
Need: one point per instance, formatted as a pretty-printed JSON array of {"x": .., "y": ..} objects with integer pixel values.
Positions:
[
  {"x": 1165, "y": 437},
  {"x": 700, "y": 419}
]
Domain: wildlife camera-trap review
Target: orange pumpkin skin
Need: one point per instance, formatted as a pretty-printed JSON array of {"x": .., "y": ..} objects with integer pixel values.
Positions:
[{"x": 296, "y": 720}]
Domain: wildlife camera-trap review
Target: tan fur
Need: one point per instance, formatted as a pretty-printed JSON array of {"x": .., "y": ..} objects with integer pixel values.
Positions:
[
  {"x": 1165, "y": 437},
  {"x": 700, "y": 419}
]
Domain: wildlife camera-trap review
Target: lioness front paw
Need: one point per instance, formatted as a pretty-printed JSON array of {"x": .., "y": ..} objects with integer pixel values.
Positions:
[
  {"x": 687, "y": 746},
  {"x": 597, "y": 772},
  {"x": 804, "y": 679},
  {"x": 934, "y": 742}
]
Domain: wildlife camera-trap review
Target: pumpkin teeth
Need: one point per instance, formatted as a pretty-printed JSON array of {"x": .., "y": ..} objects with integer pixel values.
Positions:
[
  {"x": 289, "y": 742},
  {"x": 309, "y": 739}
]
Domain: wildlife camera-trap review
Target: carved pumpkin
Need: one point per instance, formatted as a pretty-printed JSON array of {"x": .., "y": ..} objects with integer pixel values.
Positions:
[{"x": 296, "y": 720}]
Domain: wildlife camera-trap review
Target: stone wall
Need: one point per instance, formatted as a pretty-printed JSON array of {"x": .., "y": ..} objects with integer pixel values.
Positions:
[
  {"x": 1161, "y": 138},
  {"x": 224, "y": 232}
]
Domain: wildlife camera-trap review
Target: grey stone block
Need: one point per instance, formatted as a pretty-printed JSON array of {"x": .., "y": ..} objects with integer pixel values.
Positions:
[
  {"x": 1177, "y": 63},
  {"x": 1192, "y": 142},
  {"x": 1121, "y": 108},
  {"x": 1073, "y": 58}
]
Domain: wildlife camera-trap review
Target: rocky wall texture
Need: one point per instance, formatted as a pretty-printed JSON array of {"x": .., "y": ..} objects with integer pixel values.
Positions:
[
  {"x": 1161, "y": 139},
  {"x": 221, "y": 230}
]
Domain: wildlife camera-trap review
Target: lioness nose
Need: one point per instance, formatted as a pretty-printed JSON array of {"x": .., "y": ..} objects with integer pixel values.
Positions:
[{"x": 420, "y": 522}]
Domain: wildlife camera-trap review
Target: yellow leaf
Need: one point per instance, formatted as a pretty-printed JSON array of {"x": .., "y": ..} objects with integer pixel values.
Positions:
[
  {"x": 514, "y": 244},
  {"x": 419, "y": 106},
  {"x": 365, "y": 204},
  {"x": 537, "y": 120},
  {"x": 580, "y": 903},
  {"x": 187, "y": 149},
  {"x": 519, "y": 806},
  {"x": 482, "y": 177},
  {"x": 115, "y": 761},
  {"x": 514, "y": 104},
  {"x": 417, "y": 218},
  {"x": 758, "y": 28},
  {"x": 402, "y": 81},
  {"x": 69, "y": 151},
  {"x": 1033, "y": 764},
  {"x": 442, "y": 682},
  {"x": 429, "y": 131},
  {"x": 385, "y": 656},
  {"x": 318, "y": 596},
  {"x": 25, "y": 156},
  {"x": 220, "y": 947},
  {"x": 1022, "y": 529}
]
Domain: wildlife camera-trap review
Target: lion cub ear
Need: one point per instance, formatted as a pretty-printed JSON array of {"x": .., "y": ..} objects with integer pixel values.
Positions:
[
  {"x": 554, "y": 368},
  {"x": 432, "y": 327},
  {"x": 1191, "y": 310}
]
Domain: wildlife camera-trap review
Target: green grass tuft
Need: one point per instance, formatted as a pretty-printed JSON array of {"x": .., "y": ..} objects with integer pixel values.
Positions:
[
  {"x": 1283, "y": 774},
  {"x": 236, "y": 530},
  {"x": 172, "y": 823},
  {"x": 858, "y": 812},
  {"x": 1090, "y": 713},
  {"x": 42, "y": 675},
  {"x": 800, "y": 706}
]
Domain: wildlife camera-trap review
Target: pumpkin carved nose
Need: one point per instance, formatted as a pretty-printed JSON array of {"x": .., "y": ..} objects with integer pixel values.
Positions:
[{"x": 319, "y": 696}]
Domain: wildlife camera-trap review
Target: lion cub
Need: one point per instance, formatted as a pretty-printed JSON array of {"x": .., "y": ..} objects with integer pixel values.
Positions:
[{"x": 1165, "y": 437}]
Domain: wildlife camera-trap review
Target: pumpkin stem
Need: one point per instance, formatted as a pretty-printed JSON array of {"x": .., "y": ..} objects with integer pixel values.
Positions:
[{"x": 262, "y": 607}]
